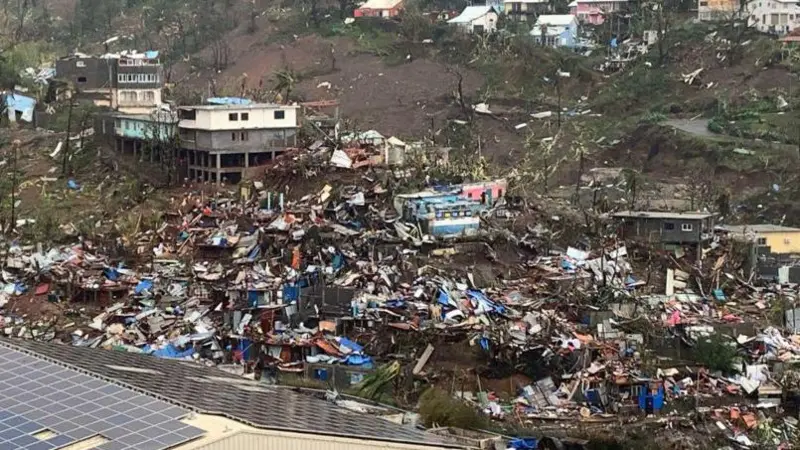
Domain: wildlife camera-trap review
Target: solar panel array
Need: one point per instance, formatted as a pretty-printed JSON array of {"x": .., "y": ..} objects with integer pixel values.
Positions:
[{"x": 37, "y": 396}]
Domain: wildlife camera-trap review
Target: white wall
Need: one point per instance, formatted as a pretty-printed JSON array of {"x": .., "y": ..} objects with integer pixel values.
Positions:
[
  {"x": 488, "y": 21},
  {"x": 261, "y": 117},
  {"x": 762, "y": 13}
]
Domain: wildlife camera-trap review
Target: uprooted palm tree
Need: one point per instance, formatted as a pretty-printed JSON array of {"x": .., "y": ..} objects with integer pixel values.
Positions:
[
  {"x": 285, "y": 81},
  {"x": 375, "y": 383}
]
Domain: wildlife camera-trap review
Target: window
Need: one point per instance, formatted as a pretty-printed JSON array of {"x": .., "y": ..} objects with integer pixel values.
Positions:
[
  {"x": 80, "y": 64},
  {"x": 669, "y": 226},
  {"x": 244, "y": 136},
  {"x": 245, "y": 116},
  {"x": 279, "y": 115},
  {"x": 187, "y": 114},
  {"x": 761, "y": 241},
  {"x": 686, "y": 227},
  {"x": 149, "y": 96},
  {"x": 233, "y": 136},
  {"x": 81, "y": 79},
  {"x": 703, "y": 3},
  {"x": 787, "y": 241},
  {"x": 233, "y": 117}
]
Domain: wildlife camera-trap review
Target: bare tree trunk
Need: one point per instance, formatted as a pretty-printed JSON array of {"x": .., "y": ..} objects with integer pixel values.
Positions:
[{"x": 65, "y": 158}]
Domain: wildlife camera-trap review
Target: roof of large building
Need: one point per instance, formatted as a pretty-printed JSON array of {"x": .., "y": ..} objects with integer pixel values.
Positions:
[
  {"x": 45, "y": 405},
  {"x": 662, "y": 215},
  {"x": 471, "y": 13},
  {"x": 380, "y": 4},
  {"x": 237, "y": 107},
  {"x": 757, "y": 228},
  {"x": 213, "y": 391}
]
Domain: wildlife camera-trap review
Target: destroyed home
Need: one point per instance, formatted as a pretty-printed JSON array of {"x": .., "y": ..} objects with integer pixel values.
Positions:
[
  {"x": 477, "y": 19},
  {"x": 223, "y": 141},
  {"x": 128, "y": 82}
]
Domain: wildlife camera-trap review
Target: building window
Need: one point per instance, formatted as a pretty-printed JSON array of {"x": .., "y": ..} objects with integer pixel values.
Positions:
[
  {"x": 81, "y": 79},
  {"x": 233, "y": 117},
  {"x": 245, "y": 116},
  {"x": 669, "y": 226},
  {"x": 148, "y": 96},
  {"x": 187, "y": 114},
  {"x": 80, "y": 64},
  {"x": 787, "y": 241},
  {"x": 761, "y": 241},
  {"x": 686, "y": 227},
  {"x": 280, "y": 115},
  {"x": 244, "y": 136},
  {"x": 233, "y": 136}
]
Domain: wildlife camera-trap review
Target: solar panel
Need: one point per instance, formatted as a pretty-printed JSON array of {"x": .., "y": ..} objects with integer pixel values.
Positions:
[{"x": 37, "y": 396}]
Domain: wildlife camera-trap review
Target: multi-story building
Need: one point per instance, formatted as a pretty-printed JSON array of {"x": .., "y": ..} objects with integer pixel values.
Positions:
[
  {"x": 128, "y": 82},
  {"x": 712, "y": 10},
  {"x": 774, "y": 16},
  {"x": 222, "y": 141}
]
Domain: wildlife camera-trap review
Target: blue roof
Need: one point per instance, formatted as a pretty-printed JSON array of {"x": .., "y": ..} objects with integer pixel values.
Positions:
[{"x": 228, "y": 101}]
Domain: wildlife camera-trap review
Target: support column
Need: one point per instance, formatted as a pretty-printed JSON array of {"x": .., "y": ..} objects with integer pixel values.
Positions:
[
  {"x": 246, "y": 160},
  {"x": 219, "y": 166}
]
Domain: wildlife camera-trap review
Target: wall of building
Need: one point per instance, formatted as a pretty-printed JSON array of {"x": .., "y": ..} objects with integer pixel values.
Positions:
[
  {"x": 716, "y": 9},
  {"x": 136, "y": 98},
  {"x": 773, "y": 17},
  {"x": 221, "y": 119},
  {"x": 272, "y": 440},
  {"x": 657, "y": 230},
  {"x": 785, "y": 242},
  {"x": 488, "y": 21},
  {"x": 85, "y": 73},
  {"x": 238, "y": 140},
  {"x": 141, "y": 129}
]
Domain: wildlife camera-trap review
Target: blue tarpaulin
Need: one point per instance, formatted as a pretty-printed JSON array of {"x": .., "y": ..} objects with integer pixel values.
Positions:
[
  {"x": 151, "y": 54},
  {"x": 144, "y": 285},
  {"x": 444, "y": 298},
  {"x": 358, "y": 360},
  {"x": 72, "y": 184},
  {"x": 338, "y": 261},
  {"x": 169, "y": 351},
  {"x": 291, "y": 293},
  {"x": 228, "y": 101},
  {"x": 351, "y": 345},
  {"x": 484, "y": 301},
  {"x": 24, "y": 104},
  {"x": 111, "y": 273},
  {"x": 524, "y": 443}
]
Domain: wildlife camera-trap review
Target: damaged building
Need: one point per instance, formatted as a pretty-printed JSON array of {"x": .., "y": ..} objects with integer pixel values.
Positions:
[{"x": 224, "y": 139}]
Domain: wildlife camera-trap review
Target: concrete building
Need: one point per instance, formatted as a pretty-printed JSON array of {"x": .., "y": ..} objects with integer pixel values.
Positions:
[
  {"x": 81, "y": 398},
  {"x": 222, "y": 141},
  {"x": 128, "y": 82},
  {"x": 477, "y": 19},
  {"x": 712, "y": 10},
  {"x": 525, "y": 10},
  {"x": 665, "y": 227},
  {"x": 774, "y": 16},
  {"x": 140, "y": 135},
  {"x": 771, "y": 239}
]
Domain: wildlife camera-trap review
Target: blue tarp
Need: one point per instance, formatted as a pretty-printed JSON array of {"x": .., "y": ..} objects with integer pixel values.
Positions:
[
  {"x": 111, "y": 273},
  {"x": 228, "y": 101},
  {"x": 151, "y": 54},
  {"x": 358, "y": 360},
  {"x": 351, "y": 345},
  {"x": 444, "y": 298},
  {"x": 524, "y": 443},
  {"x": 291, "y": 293},
  {"x": 169, "y": 351},
  {"x": 338, "y": 261},
  {"x": 72, "y": 184},
  {"x": 21, "y": 103},
  {"x": 144, "y": 285},
  {"x": 484, "y": 301}
]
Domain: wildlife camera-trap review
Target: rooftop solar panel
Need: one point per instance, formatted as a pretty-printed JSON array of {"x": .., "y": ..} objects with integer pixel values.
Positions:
[{"x": 37, "y": 395}]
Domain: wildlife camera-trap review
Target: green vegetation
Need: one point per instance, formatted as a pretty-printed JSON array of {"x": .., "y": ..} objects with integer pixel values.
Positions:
[
  {"x": 716, "y": 353},
  {"x": 438, "y": 408}
]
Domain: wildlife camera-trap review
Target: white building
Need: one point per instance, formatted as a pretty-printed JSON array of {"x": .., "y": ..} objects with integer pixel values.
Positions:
[
  {"x": 477, "y": 19},
  {"x": 773, "y": 16},
  {"x": 223, "y": 141},
  {"x": 558, "y": 30}
]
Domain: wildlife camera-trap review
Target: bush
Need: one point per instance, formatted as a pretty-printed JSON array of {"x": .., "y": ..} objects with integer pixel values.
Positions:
[
  {"x": 715, "y": 353},
  {"x": 437, "y": 408}
]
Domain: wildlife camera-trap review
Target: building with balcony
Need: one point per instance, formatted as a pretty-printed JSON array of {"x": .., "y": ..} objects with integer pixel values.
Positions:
[
  {"x": 594, "y": 12},
  {"x": 525, "y": 10},
  {"x": 129, "y": 82},
  {"x": 140, "y": 135},
  {"x": 221, "y": 141},
  {"x": 777, "y": 17}
]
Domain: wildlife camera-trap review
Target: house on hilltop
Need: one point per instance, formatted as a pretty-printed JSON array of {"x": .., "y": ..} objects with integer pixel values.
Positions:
[{"x": 477, "y": 19}]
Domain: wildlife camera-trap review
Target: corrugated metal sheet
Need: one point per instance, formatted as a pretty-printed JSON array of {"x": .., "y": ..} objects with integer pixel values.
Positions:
[{"x": 266, "y": 440}]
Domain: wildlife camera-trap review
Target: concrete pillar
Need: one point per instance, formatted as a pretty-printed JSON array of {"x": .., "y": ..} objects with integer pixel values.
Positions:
[
  {"x": 219, "y": 166},
  {"x": 246, "y": 160}
]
